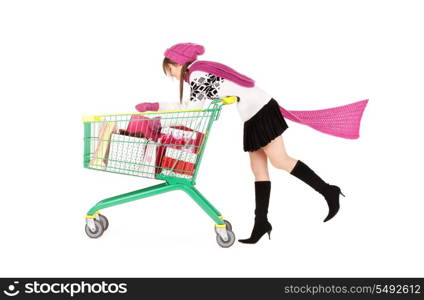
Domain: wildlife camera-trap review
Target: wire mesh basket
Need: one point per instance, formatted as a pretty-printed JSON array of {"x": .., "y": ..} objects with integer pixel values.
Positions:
[{"x": 165, "y": 145}]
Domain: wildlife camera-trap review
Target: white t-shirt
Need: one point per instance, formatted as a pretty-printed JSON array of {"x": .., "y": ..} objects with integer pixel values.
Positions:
[{"x": 204, "y": 86}]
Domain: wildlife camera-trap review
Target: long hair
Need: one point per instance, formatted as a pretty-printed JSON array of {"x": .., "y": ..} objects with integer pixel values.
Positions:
[{"x": 183, "y": 74}]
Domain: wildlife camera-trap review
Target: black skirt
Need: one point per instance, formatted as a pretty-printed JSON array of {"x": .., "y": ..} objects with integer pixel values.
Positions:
[{"x": 267, "y": 124}]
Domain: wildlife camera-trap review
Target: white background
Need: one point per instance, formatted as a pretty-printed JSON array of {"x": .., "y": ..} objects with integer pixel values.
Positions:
[{"x": 62, "y": 59}]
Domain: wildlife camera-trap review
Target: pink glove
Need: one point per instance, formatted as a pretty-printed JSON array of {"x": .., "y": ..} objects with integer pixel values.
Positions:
[{"x": 147, "y": 106}]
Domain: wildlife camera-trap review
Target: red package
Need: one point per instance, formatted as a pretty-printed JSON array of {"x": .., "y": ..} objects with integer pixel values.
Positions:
[
  {"x": 144, "y": 126},
  {"x": 180, "y": 142},
  {"x": 168, "y": 140},
  {"x": 197, "y": 142},
  {"x": 178, "y": 166}
]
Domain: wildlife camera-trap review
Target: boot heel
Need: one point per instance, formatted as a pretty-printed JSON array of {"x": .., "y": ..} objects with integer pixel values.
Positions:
[{"x": 269, "y": 234}]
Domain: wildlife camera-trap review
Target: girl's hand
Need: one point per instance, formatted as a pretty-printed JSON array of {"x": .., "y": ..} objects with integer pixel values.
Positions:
[{"x": 147, "y": 106}]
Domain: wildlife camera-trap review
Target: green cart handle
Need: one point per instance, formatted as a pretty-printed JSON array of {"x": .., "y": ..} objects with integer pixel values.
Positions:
[{"x": 222, "y": 101}]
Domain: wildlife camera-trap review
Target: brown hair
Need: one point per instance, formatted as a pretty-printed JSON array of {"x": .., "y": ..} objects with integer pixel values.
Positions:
[{"x": 165, "y": 67}]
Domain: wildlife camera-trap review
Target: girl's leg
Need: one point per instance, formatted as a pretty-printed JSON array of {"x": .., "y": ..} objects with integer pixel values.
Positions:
[
  {"x": 259, "y": 165},
  {"x": 277, "y": 154},
  {"x": 279, "y": 158}
]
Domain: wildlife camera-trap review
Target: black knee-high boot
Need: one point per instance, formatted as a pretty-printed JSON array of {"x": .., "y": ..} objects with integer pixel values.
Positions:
[
  {"x": 330, "y": 192},
  {"x": 262, "y": 226}
]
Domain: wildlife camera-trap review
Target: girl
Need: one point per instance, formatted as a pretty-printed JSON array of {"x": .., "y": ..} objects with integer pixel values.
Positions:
[{"x": 264, "y": 124}]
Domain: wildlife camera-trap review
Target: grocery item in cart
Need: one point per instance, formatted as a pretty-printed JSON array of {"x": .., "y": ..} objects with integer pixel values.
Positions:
[
  {"x": 100, "y": 155},
  {"x": 177, "y": 137},
  {"x": 179, "y": 162},
  {"x": 181, "y": 137},
  {"x": 145, "y": 126},
  {"x": 196, "y": 139},
  {"x": 149, "y": 160},
  {"x": 126, "y": 155}
]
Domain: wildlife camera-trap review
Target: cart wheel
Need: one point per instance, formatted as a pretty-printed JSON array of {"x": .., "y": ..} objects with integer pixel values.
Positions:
[
  {"x": 229, "y": 226},
  {"x": 104, "y": 222},
  {"x": 229, "y": 242},
  {"x": 97, "y": 232}
]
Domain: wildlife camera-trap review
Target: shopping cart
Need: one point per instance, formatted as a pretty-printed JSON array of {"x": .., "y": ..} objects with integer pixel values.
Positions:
[{"x": 162, "y": 145}]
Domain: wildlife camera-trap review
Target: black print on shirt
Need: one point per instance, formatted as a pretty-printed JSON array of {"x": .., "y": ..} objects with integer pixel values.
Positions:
[{"x": 206, "y": 86}]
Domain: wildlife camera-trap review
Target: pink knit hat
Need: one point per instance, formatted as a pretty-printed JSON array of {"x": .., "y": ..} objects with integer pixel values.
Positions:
[{"x": 184, "y": 52}]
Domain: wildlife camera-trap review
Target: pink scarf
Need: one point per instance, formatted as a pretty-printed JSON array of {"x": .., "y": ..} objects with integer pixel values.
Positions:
[{"x": 341, "y": 121}]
